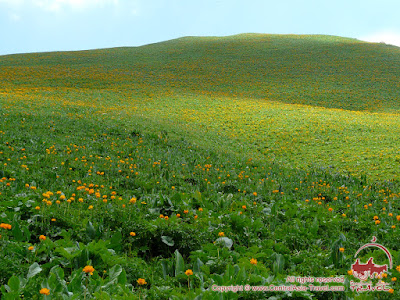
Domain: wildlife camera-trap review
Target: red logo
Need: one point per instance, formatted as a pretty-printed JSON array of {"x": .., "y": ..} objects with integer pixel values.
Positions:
[{"x": 370, "y": 269}]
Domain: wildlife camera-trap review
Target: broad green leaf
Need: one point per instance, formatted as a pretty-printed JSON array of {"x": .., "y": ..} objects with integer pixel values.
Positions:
[
  {"x": 122, "y": 278},
  {"x": 114, "y": 272},
  {"x": 224, "y": 241},
  {"x": 179, "y": 263},
  {"x": 33, "y": 270},
  {"x": 167, "y": 240},
  {"x": 13, "y": 283},
  {"x": 90, "y": 231},
  {"x": 279, "y": 263},
  {"x": 197, "y": 265}
]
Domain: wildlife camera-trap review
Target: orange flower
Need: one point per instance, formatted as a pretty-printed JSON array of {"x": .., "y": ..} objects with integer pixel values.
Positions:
[
  {"x": 341, "y": 249},
  {"x": 132, "y": 233},
  {"x": 42, "y": 237},
  {"x": 221, "y": 233},
  {"x": 189, "y": 272},
  {"x": 44, "y": 291},
  {"x": 5, "y": 226},
  {"x": 141, "y": 281},
  {"x": 253, "y": 261},
  {"x": 88, "y": 269},
  {"x": 31, "y": 248}
]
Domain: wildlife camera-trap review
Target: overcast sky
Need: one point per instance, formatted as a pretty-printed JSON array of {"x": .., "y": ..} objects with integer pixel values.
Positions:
[{"x": 57, "y": 25}]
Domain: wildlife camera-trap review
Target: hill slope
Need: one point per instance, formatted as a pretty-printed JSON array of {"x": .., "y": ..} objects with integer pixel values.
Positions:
[
  {"x": 325, "y": 71},
  {"x": 158, "y": 171}
]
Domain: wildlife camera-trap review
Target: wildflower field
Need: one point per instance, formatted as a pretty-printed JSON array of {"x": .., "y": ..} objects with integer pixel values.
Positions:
[{"x": 168, "y": 170}]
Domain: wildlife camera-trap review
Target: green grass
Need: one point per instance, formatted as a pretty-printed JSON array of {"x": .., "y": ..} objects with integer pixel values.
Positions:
[{"x": 288, "y": 145}]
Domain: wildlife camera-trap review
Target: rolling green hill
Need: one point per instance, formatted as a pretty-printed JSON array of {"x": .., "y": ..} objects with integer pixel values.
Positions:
[
  {"x": 244, "y": 159},
  {"x": 324, "y": 71},
  {"x": 345, "y": 93}
]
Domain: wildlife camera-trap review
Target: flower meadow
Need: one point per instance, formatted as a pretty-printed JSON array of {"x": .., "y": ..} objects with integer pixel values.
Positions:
[{"x": 162, "y": 171}]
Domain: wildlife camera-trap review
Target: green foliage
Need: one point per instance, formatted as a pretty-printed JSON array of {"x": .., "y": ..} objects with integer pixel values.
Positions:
[{"x": 242, "y": 160}]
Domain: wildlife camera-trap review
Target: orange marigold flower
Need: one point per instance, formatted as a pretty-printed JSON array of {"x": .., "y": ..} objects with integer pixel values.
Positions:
[
  {"x": 44, "y": 291},
  {"x": 31, "y": 248},
  {"x": 341, "y": 249},
  {"x": 88, "y": 269},
  {"x": 253, "y": 261},
  {"x": 391, "y": 291},
  {"x": 132, "y": 233},
  {"x": 42, "y": 237},
  {"x": 350, "y": 272},
  {"x": 189, "y": 272},
  {"x": 141, "y": 281},
  {"x": 221, "y": 233}
]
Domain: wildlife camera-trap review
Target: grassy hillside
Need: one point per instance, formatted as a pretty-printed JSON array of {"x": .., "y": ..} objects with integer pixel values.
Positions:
[
  {"x": 242, "y": 83},
  {"x": 245, "y": 159}
]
